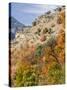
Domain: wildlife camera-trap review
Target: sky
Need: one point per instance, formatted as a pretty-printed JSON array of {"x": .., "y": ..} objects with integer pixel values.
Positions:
[{"x": 26, "y": 13}]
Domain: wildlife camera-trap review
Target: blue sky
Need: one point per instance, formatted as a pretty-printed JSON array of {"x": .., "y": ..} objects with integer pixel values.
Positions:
[{"x": 26, "y": 13}]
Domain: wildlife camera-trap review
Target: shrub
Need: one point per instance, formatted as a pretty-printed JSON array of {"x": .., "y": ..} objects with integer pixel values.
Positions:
[
  {"x": 26, "y": 76},
  {"x": 38, "y": 50},
  {"x": 48, "y": 12},
  {"x": 51, "y": 42},
  {"x": 50, "y": 31},
  {"x": 59, "y": 9},
  {"x": 45, "y": 30},
  {"x": 39, "y": 30},
  {"x": 56, "y": 74},
  {"x": 59, "y": 20},
  {"x": 34, "y": 23}
]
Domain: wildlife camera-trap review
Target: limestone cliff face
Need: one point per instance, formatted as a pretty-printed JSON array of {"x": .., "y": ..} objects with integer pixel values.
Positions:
[{"x": 43, "y": 27}]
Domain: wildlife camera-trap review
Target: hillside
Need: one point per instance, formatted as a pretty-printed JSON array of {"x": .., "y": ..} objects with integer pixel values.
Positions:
[
  {"x": 14, "y": 26},
  {"x": 38, "y": 52}
]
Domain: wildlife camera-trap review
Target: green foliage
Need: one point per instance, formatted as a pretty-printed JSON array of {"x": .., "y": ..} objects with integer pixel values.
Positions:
[
  {"x": 56, "y": 75},
  {"x": 51, "y": 42},
  {"x": 58, "y": 50},
  {"x": 38, "y": 51},
  {"x": 26, "y": 77}
]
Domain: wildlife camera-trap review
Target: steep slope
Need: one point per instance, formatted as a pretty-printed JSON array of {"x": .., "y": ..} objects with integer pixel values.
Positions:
[
  {"x": 42, "y": 28},
  {"x": 38, "y": 52}
]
